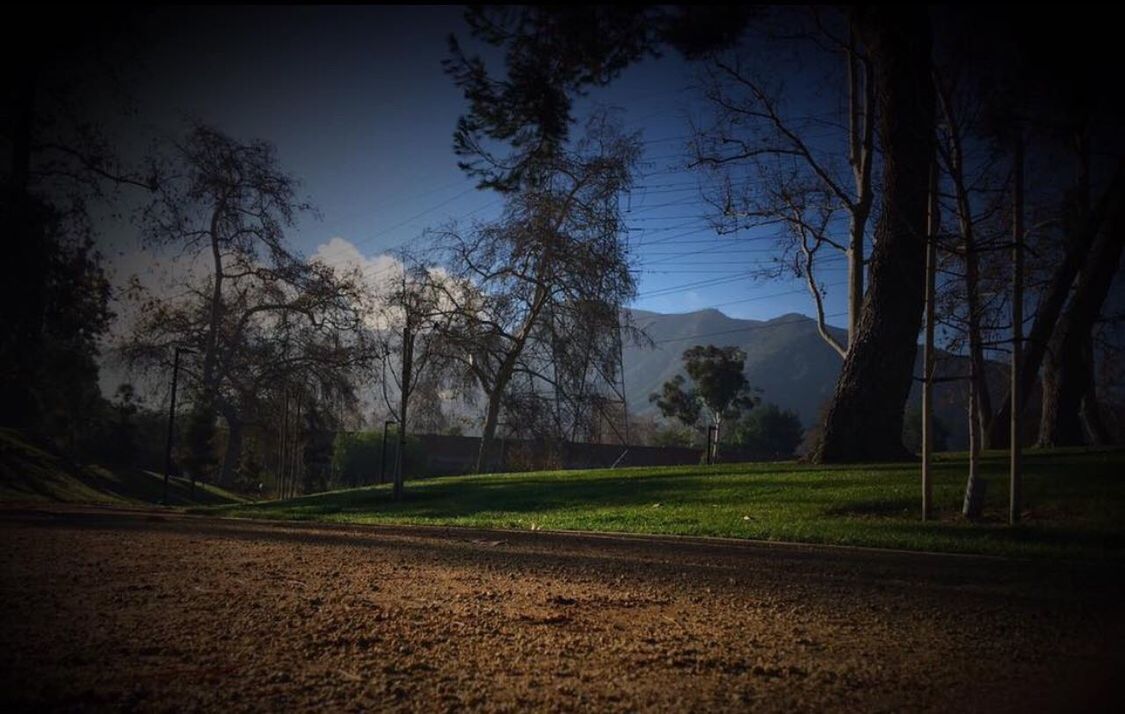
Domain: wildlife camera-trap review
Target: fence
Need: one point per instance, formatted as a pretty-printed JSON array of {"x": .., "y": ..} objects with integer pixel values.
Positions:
[{"x": 444, "y": 455}]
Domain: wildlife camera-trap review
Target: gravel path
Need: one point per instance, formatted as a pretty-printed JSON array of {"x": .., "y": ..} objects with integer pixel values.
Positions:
[{"x": 124, "y": 610}]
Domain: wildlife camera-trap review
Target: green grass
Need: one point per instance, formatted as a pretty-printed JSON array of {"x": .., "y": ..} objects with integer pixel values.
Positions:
[
  {"x": 1074, "y": 504},
  {"x": 29, "y": 473}
]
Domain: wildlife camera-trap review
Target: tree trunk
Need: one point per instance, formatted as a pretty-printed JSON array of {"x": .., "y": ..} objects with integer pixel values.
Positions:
[
  {"x": 973, "y": 504},
  {"x": 1053, "y": 301},
  {"x": 864, "y": 420},
  {"x": 210, "y": 356},
  {"x": 499, "y": 386},
  {"x": 234, "y": 446},
  {"x": 977, "y": 364},
  {"x": 404, "y": 403},
  {"x": 22, "y": 300},
  {"x": 1015, "y": 439},
  {"x": 861, "y": 127},
  {"x": 488, "y": 435},
  {"x": 928, "y": 355},
  {"x": 1066, "y": 365},
  {"x": 282, "y": 438},
  {"x": 1091, "y": 412}
]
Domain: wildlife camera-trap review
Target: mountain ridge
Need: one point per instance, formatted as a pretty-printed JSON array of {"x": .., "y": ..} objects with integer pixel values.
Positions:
[{"x": 785, "y": 357}]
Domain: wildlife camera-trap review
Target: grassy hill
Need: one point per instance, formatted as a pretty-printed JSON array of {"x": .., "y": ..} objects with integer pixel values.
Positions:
[
  {"x": 1075, "y": 504},
  {"x": 32, "y": 473}
]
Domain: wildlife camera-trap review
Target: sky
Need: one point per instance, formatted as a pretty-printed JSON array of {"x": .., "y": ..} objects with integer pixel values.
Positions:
[{"x": 358, "y": 107}]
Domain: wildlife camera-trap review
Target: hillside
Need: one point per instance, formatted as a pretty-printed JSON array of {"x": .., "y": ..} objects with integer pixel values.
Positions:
[
  {"x": 32, "y": 473},
  {"x": 785, "y": 357}
]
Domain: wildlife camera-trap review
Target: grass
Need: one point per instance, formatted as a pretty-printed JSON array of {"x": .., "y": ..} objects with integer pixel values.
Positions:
[
  {"x": 1074, "y": 504},
  {"x": 29, "y": 473}
]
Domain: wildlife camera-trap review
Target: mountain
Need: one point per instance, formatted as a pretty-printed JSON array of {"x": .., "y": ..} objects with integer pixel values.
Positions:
[{"x": 785, "y": 357}]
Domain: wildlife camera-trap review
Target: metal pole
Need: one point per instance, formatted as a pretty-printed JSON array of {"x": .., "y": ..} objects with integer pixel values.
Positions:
[{"x": 171, "y": 423}]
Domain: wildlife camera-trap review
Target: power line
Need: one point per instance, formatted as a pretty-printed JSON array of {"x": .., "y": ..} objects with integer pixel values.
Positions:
[{"x": 749, "y": 328}]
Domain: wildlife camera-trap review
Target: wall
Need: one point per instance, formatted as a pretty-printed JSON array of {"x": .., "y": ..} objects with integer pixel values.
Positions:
[{"x": 452, "y": 455}]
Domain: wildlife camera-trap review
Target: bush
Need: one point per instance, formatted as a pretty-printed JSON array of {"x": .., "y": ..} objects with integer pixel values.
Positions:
[{"x": 357, "y": 456}]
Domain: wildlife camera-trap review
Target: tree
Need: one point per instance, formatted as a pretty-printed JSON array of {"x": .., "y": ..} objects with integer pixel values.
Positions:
[
  {"x": 263, "y": 320},
  {"x": 719, "y": 386},
  {"x": 356, "y": 458},
  {"x": 412, "y": 322},
  {"x": 1071, "y": 127},
  {"x": 1068, "y": 377},
  {"x": 557, "y": 250},
  {"x": 519, "y": 123},
  {"x": 768, "y": 432},
  {"x": 769, "y": 170},
  {"x": 864, "y": 422},
  {"x": 48, "y": 354},
  {"x": 57, "y": 169},
  {"x": 529, "y": 110}
]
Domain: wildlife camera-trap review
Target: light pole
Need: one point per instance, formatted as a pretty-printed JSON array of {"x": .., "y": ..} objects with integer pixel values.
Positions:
[{"x": 172, "y": 417}]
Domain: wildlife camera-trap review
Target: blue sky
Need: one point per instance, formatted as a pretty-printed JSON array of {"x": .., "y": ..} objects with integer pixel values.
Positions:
[{"x": 357, "y": 104}]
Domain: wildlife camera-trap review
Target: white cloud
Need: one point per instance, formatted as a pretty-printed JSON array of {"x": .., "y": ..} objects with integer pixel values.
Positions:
[{"x": 378, "y": 271}]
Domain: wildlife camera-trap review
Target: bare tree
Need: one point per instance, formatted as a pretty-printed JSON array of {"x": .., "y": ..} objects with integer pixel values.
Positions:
[
  {"x": 773, "y": 166},
  {"x": 263, "y": 313},
  {"x": 556, "y": 250},
  {"x": 1068, "y": 379},
  {"x": 413, "y": 319}
]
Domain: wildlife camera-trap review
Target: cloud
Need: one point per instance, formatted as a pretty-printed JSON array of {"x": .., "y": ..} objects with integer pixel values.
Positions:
[{"x": 378, "y": 271}]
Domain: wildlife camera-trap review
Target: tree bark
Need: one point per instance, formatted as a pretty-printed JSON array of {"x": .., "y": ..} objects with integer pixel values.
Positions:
[
  {"x": 1096, "y": 429},
  {"x": 1066, "y": 364},
  {"x": 210, "y": 356},
  {"x": 233, "y": 451},
  {"x": 928, "y": 357},
  {"x": 1052, "y": 304},
  {"x": 488, "y": 435},
  {"x": 504, "y": 375},
  {"x": 861, "y": 126},
  {"x": 404, "y": 404},
  {"x": 864, "y": 421}
]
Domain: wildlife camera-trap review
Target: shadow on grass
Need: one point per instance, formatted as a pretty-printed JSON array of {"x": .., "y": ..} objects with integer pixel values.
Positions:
[
  {"x": 962, "y": 536},
  {"x": 148, "y": 487},
  {"x": 1077, "y": 503}
]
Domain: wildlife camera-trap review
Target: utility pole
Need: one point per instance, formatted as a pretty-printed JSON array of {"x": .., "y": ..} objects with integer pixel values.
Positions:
[
  {"x": 928, "y": 360},
  {"x": 172, "y": 419},
  {"x": 1016, "y": 437},
  {"x": 407, "y": 365}
]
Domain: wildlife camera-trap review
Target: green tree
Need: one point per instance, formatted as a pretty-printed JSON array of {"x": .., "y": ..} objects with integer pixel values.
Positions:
[
  {"x": 719, "y": 387},
  {"x": 769, "y": 432},
  {"x": 355, "y": 458},
  {"x": 912, "y": 431},
  {"x": 520, "y": 122}
]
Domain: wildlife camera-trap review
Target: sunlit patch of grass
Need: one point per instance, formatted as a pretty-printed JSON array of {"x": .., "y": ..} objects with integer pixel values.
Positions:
[{"x": 1074, "y": 504}]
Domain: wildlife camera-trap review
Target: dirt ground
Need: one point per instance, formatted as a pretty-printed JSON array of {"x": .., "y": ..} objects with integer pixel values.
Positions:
[{"x": 141, "y": 610}]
